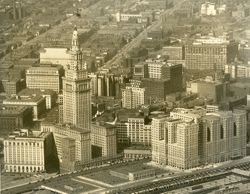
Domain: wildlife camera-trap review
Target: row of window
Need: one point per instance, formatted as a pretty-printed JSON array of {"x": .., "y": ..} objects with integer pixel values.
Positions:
[{"x": 221, "y": 132}]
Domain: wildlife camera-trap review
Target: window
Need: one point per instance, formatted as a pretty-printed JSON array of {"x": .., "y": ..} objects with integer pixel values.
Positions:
[
  {"x": 235, "y": 130},
  {"x": 208, "y": 134},
  {"x": 221, "y": 132}
]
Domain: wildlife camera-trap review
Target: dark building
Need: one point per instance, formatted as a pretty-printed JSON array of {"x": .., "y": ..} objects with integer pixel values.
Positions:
[
  {"x": 244, "y": 54},
  {"x": 175, "y": 52},
  {"x": 14, "y": 117},
  {"x": 156, "y": 89},
  {"x": 13, "y": 86}
]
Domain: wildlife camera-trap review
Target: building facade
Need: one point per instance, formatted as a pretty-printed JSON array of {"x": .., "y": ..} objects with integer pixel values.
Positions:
[
  {"x": 192, "y": 137},
  {"x": 138, "y": 132},
  {"x": 224, "y": 136},
  {"x": 45, "y": 77},
  {"x": 14, "y": 117},
  {"x": 159, "y": 141},
  {"x": 70, "y": 141},
  {"x": 133, "y": 95},
  {"x": 183, "y": 145},
  {"x": 37, "y": 103},
  {"x": 27, "y": 152},
  {"x": 210, "y": 53}
]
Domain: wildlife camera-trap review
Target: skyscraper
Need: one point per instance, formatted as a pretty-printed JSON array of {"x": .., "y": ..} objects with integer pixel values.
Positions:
[{"x": 76, "y": 89}]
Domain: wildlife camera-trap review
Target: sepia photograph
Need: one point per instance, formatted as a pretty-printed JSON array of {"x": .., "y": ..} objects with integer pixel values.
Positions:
[{"x": 124, "y": 97}]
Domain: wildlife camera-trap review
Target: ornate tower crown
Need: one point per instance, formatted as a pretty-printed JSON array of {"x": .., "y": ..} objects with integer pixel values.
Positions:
[{"x": 75, "y": 42}]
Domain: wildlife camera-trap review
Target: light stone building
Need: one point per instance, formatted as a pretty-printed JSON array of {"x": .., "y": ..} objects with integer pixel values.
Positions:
[
  {"x": 183, "y": 152},
  {"x": 192, "y": 137},
  {"x": 44, "y": 77},
  {"x": 133, "y": 95},
  {"x": 138, "y": 132},
  {"x": 159, "y": 141},
  {"x": 224, "y": 136},
  {"x": 27, "y": 152}
]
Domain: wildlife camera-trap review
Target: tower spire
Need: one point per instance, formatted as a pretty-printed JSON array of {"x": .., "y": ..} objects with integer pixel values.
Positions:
[{"x": 75, "y": 42}]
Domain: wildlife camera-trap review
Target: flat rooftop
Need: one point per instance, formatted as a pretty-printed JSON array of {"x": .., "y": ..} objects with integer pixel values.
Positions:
[
  {"x": 26, "y": 133},
  {"x": 69, "y": 185},
  {"x": 45, "y": 67},
  {"x": 71, "y": 127},
  {"x": 18, "y": 99},
  {"x": 30, "y": 92},
  {"x": 11, "y": 110}
]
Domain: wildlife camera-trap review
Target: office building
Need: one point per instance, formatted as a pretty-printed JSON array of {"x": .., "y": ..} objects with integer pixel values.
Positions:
[
  {"x": 76, "y": 89},
  {"x": 50, "y": 96},
  {"x": 183, "y": 144},
  {"x": 138, "y": 132},
  {"x": 121, "y": 132},
  {"x": 37, "y": 103},
  {"x": 157, "y": 68},
  {"x": 133, "y": 95},
  {"x": 238, "y": 70},
  {"x": 210, "y": 53},
  {"x": 13, "y": 86},
  {"x": 159, "y": 142},
  {"x": 45, "y": 77},
  {"x": 29, "y": 152},
  {"x": 155, "y": 90},
  {"x": 224, "y": 136},
  {"x": 73, "y": 144},
  {"x": 193, "y": 137},
  {"x": 103, "y": 140},
  {"x": 14, "y": 117},
  {"x": 163, "y": 79},
  {"x": 175, "y": 142}
]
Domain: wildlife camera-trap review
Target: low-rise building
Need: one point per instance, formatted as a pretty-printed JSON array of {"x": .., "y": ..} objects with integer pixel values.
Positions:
[
  {"x": 137, "y": 152},
  {"x": 210, "y": 89},
  {"x": 13, "y": 86},
  {"x": 49, "y": 95},
  {"x": 29, "y": 152},
  {"x": 45, "y": 77},
  {"x": 14, "y": 117},
  {"x": 37, "y": 103}
]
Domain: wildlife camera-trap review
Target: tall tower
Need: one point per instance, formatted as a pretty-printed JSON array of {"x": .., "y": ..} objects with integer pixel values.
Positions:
[{"x": 76, "y": 89}]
